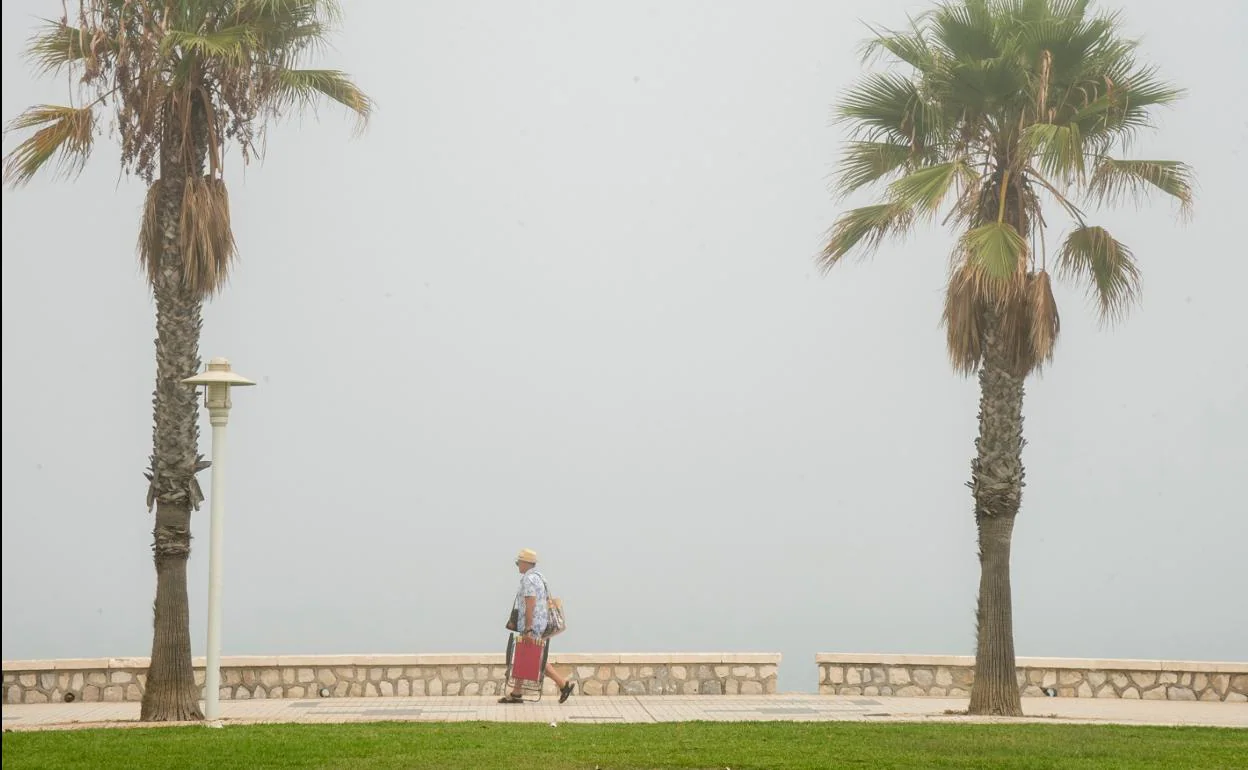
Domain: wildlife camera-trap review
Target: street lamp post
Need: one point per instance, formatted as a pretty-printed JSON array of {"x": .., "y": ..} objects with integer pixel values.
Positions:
[{"x": 217, "y": 380}]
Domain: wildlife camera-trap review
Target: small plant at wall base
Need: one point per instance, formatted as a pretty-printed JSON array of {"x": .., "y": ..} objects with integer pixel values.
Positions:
[
  {"x": 183, "y": 79},
  {"x": 1006, "y": 109}
]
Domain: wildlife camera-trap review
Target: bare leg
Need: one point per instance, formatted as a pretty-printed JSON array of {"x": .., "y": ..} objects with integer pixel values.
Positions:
[{"x": 553, "y": 674}]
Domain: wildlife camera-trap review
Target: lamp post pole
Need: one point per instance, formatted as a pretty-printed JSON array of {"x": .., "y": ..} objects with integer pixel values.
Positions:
[{"x": 218, "y": 379}]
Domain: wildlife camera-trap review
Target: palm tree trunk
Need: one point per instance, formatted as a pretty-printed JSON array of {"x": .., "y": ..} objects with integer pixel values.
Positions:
[
  {"x": 997, "y": 486},
  {"x": 171, "y": 693}
]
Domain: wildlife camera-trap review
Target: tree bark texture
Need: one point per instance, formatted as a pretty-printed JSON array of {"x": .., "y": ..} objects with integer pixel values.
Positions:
[
  {"x": 171, "y": 693},
  {"x": 997, "y": 486}
]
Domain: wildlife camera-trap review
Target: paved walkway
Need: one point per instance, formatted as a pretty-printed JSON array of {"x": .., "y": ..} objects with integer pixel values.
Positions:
[{"x": 628, "y": 709}]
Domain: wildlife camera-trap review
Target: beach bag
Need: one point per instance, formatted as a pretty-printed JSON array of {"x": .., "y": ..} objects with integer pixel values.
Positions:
[{"x": 556, "y": 621}]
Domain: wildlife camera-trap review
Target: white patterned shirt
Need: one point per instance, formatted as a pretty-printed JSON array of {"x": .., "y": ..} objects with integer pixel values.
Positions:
[{"x": 532, "y": 584}]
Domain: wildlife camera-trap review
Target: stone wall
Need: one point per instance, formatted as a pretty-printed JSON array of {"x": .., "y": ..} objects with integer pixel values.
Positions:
[
  {"x": 346, "y": 676},
  {"x": 952, "y": 675}
]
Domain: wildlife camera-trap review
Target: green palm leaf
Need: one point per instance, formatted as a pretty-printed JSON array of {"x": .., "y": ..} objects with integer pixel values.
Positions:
[
  {"x": 1092, "y": 256},
  {"x": 869, "y": 226},
  {"x": 1115, "y": 180}
]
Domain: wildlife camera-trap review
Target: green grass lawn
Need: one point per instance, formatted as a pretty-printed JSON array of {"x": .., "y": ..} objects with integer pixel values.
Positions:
[{"x": 779, "y": 745}]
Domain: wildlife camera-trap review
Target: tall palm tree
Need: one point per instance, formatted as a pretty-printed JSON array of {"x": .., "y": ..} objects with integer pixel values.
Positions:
[
  {"x": 183, "y": 79},
  {"x": 998, "y": 111}
]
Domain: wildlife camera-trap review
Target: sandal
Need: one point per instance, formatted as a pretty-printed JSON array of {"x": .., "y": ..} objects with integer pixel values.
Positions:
[
  {"x": 511, "y": 698},
  {"x": 565, "y": 691}
]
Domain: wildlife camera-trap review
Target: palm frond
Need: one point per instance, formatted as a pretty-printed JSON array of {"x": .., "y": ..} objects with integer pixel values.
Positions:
[
  {"x": 65, "y": 137},
  {"x": 304, "y": 87},
  {"x": 996, "y": 254},
  {"x": 868, "y": 226},
  {"x": 1058, "y": 150},
  {"x": 962, "y": 318},
  {"x": 230, "y": 44},
  {"x": 1114, "y": 180},
  {"x": 889, "y": 107},
  {"x": 1043, "y": 322},
  {"x": 206, "y": 244},
  {"x": 924, "y": 191},
  {"x": 57, "y": 45},
  {"x": 1092, "y": 256},
  {"x": 865, "y": 163}
]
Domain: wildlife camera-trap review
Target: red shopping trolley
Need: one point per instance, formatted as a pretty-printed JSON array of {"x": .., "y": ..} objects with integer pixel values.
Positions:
[{"x": 526, "y": 665}]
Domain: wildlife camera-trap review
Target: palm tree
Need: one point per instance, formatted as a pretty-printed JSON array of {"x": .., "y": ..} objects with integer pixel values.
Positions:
[
  {"x": 998, "y": 111},
  {"x": 183, "y": 80}
]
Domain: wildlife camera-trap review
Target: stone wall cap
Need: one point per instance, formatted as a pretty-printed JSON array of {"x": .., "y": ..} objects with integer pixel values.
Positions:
[{"x": 1087, "y": 664}]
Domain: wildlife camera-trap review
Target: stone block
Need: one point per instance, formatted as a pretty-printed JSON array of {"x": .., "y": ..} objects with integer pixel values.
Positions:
[
  {"x": 468, "y": 673},
  {"x": 76, "y": 681},
  {"x": 341, "y": 689},
  {"x": 603, "y": 674},
  {"x": 936, "y": 691},
  {"x": 1084, "y": 690},
  {"x": 251, "y": 677},
  {"x": 871, "y": 690},
  {"x": 305, "y": 676},
  {"x": 1156, "y": 693},
  {"x": 898, "y": 676},
  {"x": 836, "y": 675},
  {"x": 419, "y": 688},
  {"x": 963, "y": 676},
  {"x": 355, "y": 690},
  {"x": 403, "y": 688},
  {"x": 271, "y": 678},
  {"x": 633, "y": 687},
  {"x": 1200, "y": 682},
  {"x": 231, "y": 676},
  {"x": 1069, "y": 678},
  {"x": 118, "y": 677},
  {"x": 1180, "y": 693},
  {"x": 1239, "y": 683},
  {"x": 722, "y": 671},
  {"x": 592, "y": 687},
  {"x": 743, "y": 672},
  {"x": 470, "y": 688},
  {"x": 28, "y": 680},
  {"x": 645, "y": 672},
  {"x": 394, "y": 672},
  {"x": 1168, "y": 677},
  {"x": 770, "y": 686},
  {"x": 909, "y": 691},
  {"x": 296, "y": 691},
  {"x": 90, "y": 693},
  {"x": 732, "y": 687},
  {"x": 97, "y": 678},
  {"x": 288, "y": 676},
  {"x": 1031, "y": 691},
  {"x": 586, "y": 672},
  {"x": 1210, "y": 695},
  {"x": 878, "y": 675},
  {"x": 853, "y": 676},
  {"x": 690, "y": 687},
  {"x": 326, "y": 677},
  {"x": 944, "y": 677},
  {"x": 1095, "y": 678},
  {"x": 1065, "y": 692},
  {"x": 1236, "y": 697},
  {"x": 435, "y": 686},
  {"x": 201, "y": 677},
  {"x": 385, "y": 688},
  {"x": 34, "y": 696},
  {"x": 489, "y": 688},
  {"x": 133, "y": 693},
  {"x": 613, "y": 687},
  {"x": 851, "y": 691},
  {"x": 752, "y": 688},
  {"x": 449, "y": 673},
  {"x": 923, "y": 677},
  {"x": 453, "y": 688},
  {"x": 1106, "y": 691},
  {"x": 622, "y": 672},
  {"x": 1130, "y": 693},
  {"x": 1144, "y": 679},
  {"x": 958, "y": 692},
  {"x": 114, "y": 693},
  {"x": 370, "y": 690},
  {"x": 242, "y": 693}
]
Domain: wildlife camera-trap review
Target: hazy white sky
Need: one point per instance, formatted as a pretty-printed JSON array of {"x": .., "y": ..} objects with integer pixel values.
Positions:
[{"x": 561, "y": 296}]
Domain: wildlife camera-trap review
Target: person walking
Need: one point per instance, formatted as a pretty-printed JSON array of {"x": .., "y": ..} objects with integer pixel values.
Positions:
[{"x": 532, "y": 617}]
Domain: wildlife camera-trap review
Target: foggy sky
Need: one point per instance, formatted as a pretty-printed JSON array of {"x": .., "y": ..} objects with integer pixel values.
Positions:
[{"x": 561, "y": 296}]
